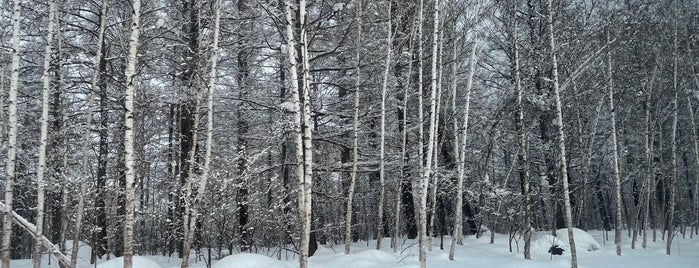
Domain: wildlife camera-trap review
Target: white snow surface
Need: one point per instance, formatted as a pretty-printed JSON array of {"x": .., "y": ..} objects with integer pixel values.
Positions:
[
  {"x": 474, "y": 253},
  {"x": 138, "y": 262},
  {"x": 249, "y": 260}
]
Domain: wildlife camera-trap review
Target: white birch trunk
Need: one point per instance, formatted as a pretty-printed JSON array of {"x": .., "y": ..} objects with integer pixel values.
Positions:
[
  {"x": 43, "y": 137},
  {"x": 615, "y": 151},
  {"x": 12, "y": 141},
  {"x": 382, "y": 186},
  {"x": 355, "y": 132},
  {"x": 196, "y": 203},
  {"x": 649, "y": 164},
  {"x": 129, "y": 156},
  {"x": 435, "y": 158},
  {"x": 307, "y": 182},
  {"x": 673, "y": 178},
  {"x": 460, "y": 151},
  {"x": 304, "y": 157},
  {"x": 561, "y": 140},
  {"x": 430, "y": 145},
  {"x": 419, "y": 87}
]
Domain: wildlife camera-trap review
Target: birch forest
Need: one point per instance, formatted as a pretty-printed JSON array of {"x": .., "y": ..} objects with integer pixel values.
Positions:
[{"x": 199, "y": 129}]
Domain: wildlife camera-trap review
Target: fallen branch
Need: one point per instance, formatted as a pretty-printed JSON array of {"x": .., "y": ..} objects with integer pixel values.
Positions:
[{"x": 31, "y": 228}]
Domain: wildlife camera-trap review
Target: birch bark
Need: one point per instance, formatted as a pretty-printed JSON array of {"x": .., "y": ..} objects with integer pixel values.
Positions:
[
  {"x": 672, "y": 187},
  {"x": 382, "y": 186},
  {"x": 355, "y": 131},
  {"x": 209, "y": 138},
  {"x": 304, "y": 157},
  {"x": 12, "y": 140},
  {"x": 43, "y": 137},
  {"x": 129, "y": 157},
  {"x": 615, "y": 151},
  {"x": 561, "y": 139},
  {"x": 427, "y": 173},
  {"x": 460, "y": 147}
]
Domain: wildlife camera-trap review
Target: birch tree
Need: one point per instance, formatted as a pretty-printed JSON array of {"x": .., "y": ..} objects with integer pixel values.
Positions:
[
  {"x": 43, "y": 137},
  {"x": 302, "y": 129},
  {"x": 382, "y": 186},
  {"x": 673, "y": 142},
  {"x": 460, "y": 138},
  {"x": 435, "y": 158},
  {"x": 355, "y": 130},
  {"x": 12, "y": 139},
  {"x": 129, "y": 156},
  {"x": 615, "y": 151},
  {"x": 209, "y": 137},
  {"x": 427, "y": 172},
  {"x": 561, "y": 139}
]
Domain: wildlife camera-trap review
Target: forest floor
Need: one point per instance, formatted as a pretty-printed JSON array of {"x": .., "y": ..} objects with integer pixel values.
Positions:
[{"x": 474, "y": 253}]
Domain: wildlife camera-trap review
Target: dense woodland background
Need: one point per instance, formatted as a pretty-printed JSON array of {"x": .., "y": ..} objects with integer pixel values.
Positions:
[{"x": 641, "y": 54}]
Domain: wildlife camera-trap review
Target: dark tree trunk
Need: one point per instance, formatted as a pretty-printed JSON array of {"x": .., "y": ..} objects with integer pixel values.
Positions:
[
  {"x": 408, "y": 208},
  {"x": 242, "y": 131},
  {"x": 99, "y": 247}
]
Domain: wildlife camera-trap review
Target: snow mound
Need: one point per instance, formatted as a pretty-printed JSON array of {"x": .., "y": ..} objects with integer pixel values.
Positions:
[
  {"x": 583, "y": 240},
  {"x": 542, "y": 245},
  {"x": 377, "y": 255},
  {"x": 138, "y": 262},
  {"x": 248, "y": 260}
]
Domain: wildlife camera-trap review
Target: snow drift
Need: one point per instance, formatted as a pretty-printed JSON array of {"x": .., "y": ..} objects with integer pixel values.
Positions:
[
  {"x": 138, "y": 262},
  {"x": 583, "y": 240},
  {"x": 248, "y": 260}
]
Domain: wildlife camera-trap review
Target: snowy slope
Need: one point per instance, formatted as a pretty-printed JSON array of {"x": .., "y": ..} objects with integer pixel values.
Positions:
[{"x": 474, "y": 253}]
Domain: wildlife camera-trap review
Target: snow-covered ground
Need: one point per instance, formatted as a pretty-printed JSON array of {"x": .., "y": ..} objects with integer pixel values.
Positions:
[{"x": 474, "y": 253}]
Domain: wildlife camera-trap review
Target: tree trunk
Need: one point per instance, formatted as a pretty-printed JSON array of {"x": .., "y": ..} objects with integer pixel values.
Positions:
[
  {"x": 99, "y": 248},
  {"x": 435, "y": 158},
  {"x": 209, "y": 134},
  {"x": 382, "y": 187},
  {"x": 427, "y": 173},
  {"x": 561, "y": 141},
  {"x": 523, "y": 153},
  {"x": 615, "y": 151},
  {"x": 404, "y": 194},
  {"x": 355, "y": 132},
  {"x": 129, "y": 157},
  {"x": 460, "y": 138},
  {"x": 41, "y": 167},
  {"x": 302, "y": 127},
  {"x": 12, "y": 141},
  {"x": 671, "y": 184},
  {"x": 242, "y": 132}
]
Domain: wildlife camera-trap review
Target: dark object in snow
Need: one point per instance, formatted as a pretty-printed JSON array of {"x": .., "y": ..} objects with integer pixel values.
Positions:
[{"x": 555, "y": 250}]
